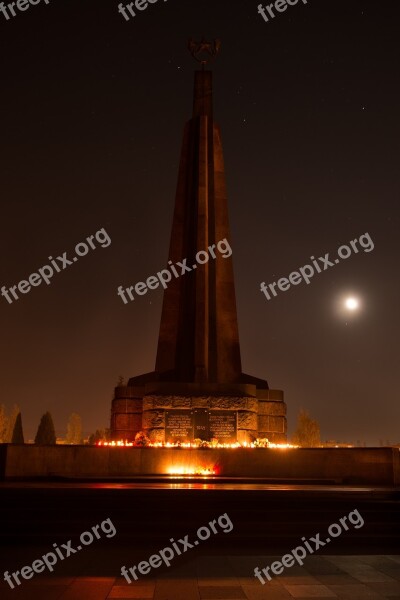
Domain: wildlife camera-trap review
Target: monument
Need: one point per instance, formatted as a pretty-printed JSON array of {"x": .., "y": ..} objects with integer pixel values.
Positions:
[{"x": 198, "y": 389}]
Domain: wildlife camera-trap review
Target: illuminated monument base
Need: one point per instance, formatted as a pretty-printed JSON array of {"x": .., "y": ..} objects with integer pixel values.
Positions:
[{"x": 248, "y": 415}]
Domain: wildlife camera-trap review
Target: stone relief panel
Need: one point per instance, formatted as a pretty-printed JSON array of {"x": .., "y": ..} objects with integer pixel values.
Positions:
[
  {"x": 272, "y": 408},
  {"x": 247, "y": 420},
  {"x": 234, "y": 403},
  {"x": 153, "y": 418},
  {"x": 200, "y": 402},
  {"x": 181, "y": 402},
  {"x": 229, "y": 402}
]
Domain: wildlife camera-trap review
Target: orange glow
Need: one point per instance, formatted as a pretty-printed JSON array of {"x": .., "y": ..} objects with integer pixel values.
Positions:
[
  {"x": 191, "y": 445},
  {"x": 282, "y": 446},
  {"x": 119, "y": 444},
  {"x": 203, "y": 471},
  {"x": 126, "y": 444}
]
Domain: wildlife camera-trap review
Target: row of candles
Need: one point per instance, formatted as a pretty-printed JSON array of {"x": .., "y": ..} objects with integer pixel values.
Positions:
[{"x": 126, "y": 444}]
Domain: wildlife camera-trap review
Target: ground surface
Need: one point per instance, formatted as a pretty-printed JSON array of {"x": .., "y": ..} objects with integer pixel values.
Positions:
[
  {"x": 268, "y": 521},
  {"x": 229, "y": 578}
]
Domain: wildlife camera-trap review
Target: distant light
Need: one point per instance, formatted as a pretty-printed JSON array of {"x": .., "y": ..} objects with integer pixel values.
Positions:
[{"x": 352, "y": 303}]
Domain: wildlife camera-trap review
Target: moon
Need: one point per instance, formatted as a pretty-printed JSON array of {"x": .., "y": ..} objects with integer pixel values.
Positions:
[{"x": 352, "y": 304}]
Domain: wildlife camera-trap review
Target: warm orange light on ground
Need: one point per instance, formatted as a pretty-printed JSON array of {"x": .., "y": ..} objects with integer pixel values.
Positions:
[{"x": 203, "y": 471}]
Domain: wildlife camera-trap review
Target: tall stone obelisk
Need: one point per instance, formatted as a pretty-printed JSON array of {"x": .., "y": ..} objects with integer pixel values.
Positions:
[
  {"x": 199, "y": 337},
  {"x": 197, "y": 389}
]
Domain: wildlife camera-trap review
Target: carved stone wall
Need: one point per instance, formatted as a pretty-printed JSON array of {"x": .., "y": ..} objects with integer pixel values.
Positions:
[
  {"x": 155, "y": 407},
  {"x": 256, "y": 417},
  {"x": 126, "y": 415},
  {"x": 272, "y": 422}
]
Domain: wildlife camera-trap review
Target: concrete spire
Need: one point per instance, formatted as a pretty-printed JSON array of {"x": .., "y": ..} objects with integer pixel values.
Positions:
[{"x": 199, "y": 339}]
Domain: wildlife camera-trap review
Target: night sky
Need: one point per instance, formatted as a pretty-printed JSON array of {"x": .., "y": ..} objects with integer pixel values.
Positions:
[{"x": 93, "y": 109}]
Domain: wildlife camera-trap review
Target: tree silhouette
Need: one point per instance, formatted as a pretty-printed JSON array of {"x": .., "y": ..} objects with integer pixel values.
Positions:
[
  {"x": 11, "y": 423},
  {"x": 3, "y": 424},
  {"x": 308, "y": 432},
  {"x": 74, "y": 429},
  {"x": 18, "y": 434},
  {"x": 46, "y": 433},
  {"x": 101, "y": 435}
]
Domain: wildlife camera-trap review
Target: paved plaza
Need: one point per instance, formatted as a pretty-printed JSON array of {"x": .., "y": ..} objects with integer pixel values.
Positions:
[{"x": 230, "y": 578}]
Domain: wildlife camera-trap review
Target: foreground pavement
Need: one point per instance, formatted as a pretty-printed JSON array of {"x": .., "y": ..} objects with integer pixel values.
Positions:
[
  {"x": 230, "y": 578},
  {"x": 267, "y": 519},
  {"x": 261, "y": 524}
]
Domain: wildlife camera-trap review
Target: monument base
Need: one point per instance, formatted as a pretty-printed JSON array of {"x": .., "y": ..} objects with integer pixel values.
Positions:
[{"x": 173, "y": 412}]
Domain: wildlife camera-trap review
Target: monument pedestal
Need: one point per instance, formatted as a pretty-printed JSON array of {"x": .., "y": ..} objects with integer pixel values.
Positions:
[{"x": 196, "y": 411}]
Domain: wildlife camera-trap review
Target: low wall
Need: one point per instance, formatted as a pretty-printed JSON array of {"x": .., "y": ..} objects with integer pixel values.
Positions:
[{"x": 370, "y": 466}]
